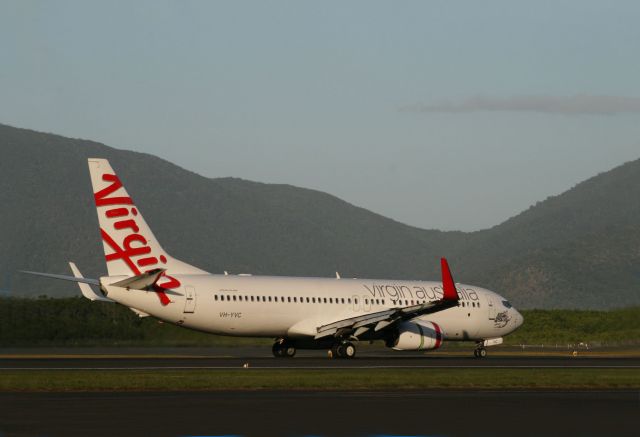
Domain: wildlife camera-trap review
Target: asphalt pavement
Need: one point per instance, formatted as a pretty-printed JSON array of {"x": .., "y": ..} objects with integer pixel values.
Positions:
[
  {"x": 431, "y": 413},
  {"x": 229, "y": 358}
]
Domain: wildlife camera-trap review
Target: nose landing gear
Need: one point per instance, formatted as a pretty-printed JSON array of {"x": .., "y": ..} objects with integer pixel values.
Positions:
[{"x": 480, "y": 351}]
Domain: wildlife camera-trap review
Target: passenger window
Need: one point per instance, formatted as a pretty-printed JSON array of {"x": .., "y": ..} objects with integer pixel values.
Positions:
[
  {"x": 269, "y": 298},
  {"x": 342, "y": 299},
  {"x": 234, "y": 298},
  {"x": 348, "y": 300},
  {"x": 366, "y": 301},
  {"x": 325, "y": 300},
  {"x": 251, "y": 298},
  {"x": 330, "y": 300},
  {"x": 215, "y": 297},
  {"x": 382, "y": 301},
  {"x": 307, "y": 300},
  {"x": 355, "y": 301},
  {"x": 289, "y": 299}
]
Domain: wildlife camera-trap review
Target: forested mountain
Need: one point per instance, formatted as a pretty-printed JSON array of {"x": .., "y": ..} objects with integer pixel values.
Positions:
[{"x": 580, "y": 249}]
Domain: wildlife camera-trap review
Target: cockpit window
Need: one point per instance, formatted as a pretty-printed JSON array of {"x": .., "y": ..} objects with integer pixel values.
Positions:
[{"x": 506, "y": 304}]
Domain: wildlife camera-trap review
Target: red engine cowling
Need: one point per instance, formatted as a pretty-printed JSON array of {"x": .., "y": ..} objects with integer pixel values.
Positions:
[{"x": 418, "y": 335}]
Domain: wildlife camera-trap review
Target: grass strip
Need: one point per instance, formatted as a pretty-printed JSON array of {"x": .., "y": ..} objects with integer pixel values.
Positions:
[{"x": 331, "y": 379}]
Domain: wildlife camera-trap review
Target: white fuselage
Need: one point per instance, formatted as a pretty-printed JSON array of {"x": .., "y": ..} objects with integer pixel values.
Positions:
[{"x": 291, "y": 307}]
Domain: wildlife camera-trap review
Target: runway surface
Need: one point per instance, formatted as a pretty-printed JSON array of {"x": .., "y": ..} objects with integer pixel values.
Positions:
[
  {"x": 231, "y": 358},
  {"x": 441, "y": 413}
]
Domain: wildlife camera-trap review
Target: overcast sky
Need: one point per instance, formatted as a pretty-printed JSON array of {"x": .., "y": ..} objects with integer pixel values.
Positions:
[{"x": 448, "y": 115}]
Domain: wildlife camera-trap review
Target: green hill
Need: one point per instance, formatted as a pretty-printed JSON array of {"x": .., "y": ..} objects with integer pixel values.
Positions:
[{"x": 577, "y": 250}]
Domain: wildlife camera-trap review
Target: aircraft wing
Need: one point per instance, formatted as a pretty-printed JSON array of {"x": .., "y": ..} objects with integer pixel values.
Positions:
[
  {"x": 356, "y": 326},
  {"x": 380, "y": 320}
]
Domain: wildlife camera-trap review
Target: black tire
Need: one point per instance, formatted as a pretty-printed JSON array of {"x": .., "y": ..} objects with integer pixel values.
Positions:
[
  {"x": 482, "y": 353},
  {"x": 476, "y": 353},
  {"x": 340, "y": 350},
  {"x": 334, "y": 352},
  {"x": 277, "y": 350},
  {"x": 289, "y": 351},
  {"x": 349, "y": 350}
]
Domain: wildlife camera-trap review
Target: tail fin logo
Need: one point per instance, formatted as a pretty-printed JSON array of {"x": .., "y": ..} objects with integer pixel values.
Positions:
[{"x": 133, "y": 250}]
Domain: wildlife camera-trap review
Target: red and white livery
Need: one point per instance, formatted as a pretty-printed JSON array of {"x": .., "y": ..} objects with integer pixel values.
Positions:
[{"x": 300, "y": 313}]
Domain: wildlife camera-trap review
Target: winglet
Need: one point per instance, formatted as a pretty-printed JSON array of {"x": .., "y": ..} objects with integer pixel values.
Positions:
[{"x": 449, "y": 291}]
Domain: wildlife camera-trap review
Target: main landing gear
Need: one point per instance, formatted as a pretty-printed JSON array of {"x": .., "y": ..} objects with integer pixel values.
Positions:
[
  {"x": 480, "y": 351},
  {"x": 283, "y": 349},
  {"x": 345, "y": 349}
]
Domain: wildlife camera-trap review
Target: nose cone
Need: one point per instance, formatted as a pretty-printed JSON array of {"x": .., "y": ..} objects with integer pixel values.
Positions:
[{"x": 518, "y": 320}]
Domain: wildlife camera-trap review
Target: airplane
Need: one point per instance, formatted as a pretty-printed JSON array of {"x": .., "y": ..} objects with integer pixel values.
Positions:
[{"x": 298, "y": 312}]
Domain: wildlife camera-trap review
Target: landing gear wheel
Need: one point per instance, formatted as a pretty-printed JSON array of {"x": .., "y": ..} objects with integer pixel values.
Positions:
[
  {"x": 289, "y": 351},
  {"x": 349, "y": 350},
  {"x": 283, "y": 349},
  {"x": 333, "y": 353},
  {"x": 343, "y": 350},
  {"x": 480, "y": 352},
  {"x": 277, "y": 350}
]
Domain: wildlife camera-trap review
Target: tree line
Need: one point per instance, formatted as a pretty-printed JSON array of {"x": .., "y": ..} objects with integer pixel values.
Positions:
[{"x": 78, "y": 322}]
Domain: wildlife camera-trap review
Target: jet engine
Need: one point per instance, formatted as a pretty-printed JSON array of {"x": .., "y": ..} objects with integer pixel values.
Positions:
[{"x": 417, "y": 335}]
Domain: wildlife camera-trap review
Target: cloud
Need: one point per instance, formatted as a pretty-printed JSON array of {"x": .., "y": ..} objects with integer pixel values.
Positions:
[{"x": 578, "y": 104}]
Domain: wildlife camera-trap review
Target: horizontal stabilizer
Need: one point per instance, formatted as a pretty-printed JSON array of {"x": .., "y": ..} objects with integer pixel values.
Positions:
[
  {"x": 144, "y": 281},
  {"x": 63, "y": 277},
  {"x": 85, "y": 288},
  {"x": 83, "y": 283}
]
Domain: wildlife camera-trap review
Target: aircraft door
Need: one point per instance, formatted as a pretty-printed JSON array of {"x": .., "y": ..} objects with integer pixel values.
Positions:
[
  {"x": 355, "y": 302},
  {"x": 492, "y": 308},
  {"x": 190, "y": 299},
  {"x": 366, "y": 304}
]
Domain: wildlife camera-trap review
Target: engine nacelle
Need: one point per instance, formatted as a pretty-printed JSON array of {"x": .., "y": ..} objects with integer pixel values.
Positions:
[{"x": 418, "y": 335}]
